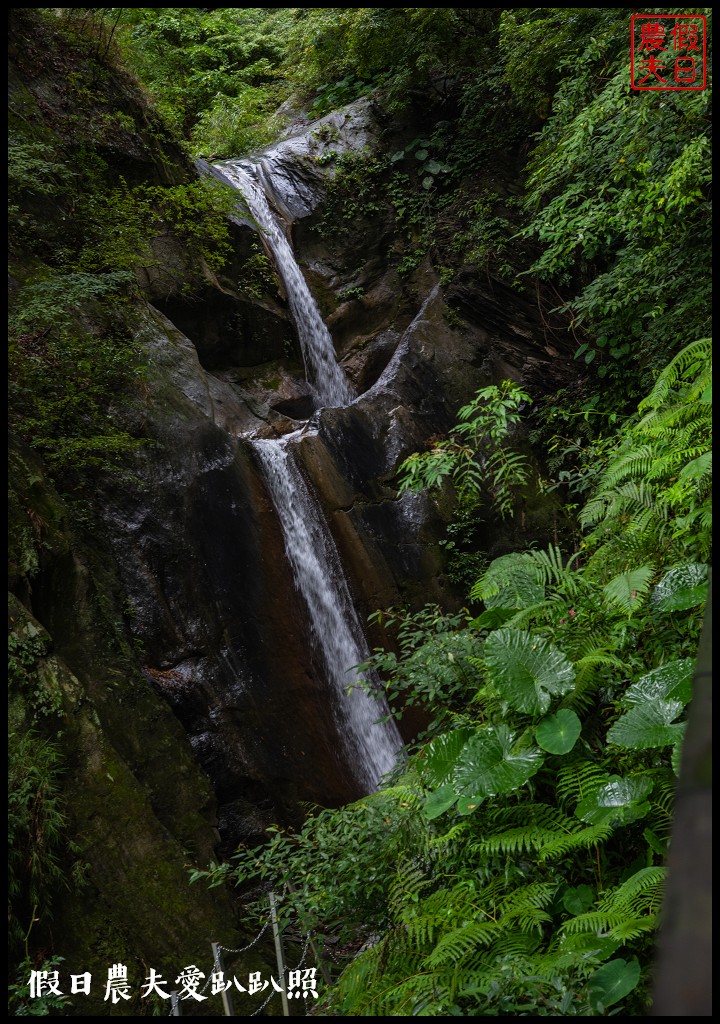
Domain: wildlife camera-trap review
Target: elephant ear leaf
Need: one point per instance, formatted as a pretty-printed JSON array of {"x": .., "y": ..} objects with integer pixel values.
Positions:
[
  {"x": 490, "y": 764},
  {"x": 682, "y": 587},
  {"x": 438, "y": 802},
  {"x": 654, "y": 703},
  {"x": 617, "y": 800},
  {"x": 668, "y": 682},
  {"x": 527, "y": 670},
  {"x": 649, "y": 725},
  {"x": 439, "y": 756},
  {"x": 612, "y": 982},
  {"x": 558, "y": 733}
]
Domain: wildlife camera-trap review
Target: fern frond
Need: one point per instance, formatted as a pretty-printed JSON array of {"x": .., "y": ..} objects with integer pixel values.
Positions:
[
  {"x": 455, "y": 947},
  {"x": 361, "y": 975},
  {"x": 695, "y": 358},
  {"x": 518, "y": 840},
  {"x": 516, "y": 944},
  {"x": 595, "y": 921},
  {"x": 547, "y": 610},
  {"x": 528, "y": 919},
  {"x": 555, "y": 572},
  {"x": 537, "y": 895},
  {"x": 580, "y": 840},
  {"x": 543, "y": 816},
  {"x": 407, "y": 886},
  {"x": 584, "y": 696},
  {"x": 633, "y": 927},
  {"x": 577, "y": 780},
  {"x": 627, "y": 590},
  {"x": 452, "y": 835},
  {"x": 697, "y": 470},
  {"x": 410, "y": 996},
  {"x": 511, "y": 581},
  {"x": 640, "y": 893}
]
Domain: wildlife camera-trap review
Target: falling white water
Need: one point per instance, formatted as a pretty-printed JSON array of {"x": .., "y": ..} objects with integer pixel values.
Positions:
[
  {"x": 371, "y": 748},
  {"x": 324, "y": 375}
]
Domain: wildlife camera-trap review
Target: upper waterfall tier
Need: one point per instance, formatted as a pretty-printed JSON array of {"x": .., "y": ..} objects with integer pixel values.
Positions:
[{"x": 325, "y": 377}]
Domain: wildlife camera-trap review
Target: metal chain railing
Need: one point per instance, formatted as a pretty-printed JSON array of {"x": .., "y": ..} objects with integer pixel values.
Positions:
[
  {"x": 218, "y": 964},
  {"x": 250, "y": 945}
]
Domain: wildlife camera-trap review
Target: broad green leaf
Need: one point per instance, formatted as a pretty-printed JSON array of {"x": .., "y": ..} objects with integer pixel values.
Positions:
[
  {"x": 621, "y": 800},
  {"x": 671, "y": 682},
  {"x": 422, "y": 154},
  {"x": 492, "y": 618},
  {"x": 466, "y": 805},
  {"x": 676, "y": 756},
  {"x": 627, "y": 590},
  {"x": 648, "y": 725},
  {"x": 657, "y": 845},
  {"x": 578, "y": 900},
  {"x": 558, "y": 733},
  {"x": 597, "y": 946},
  {"x": 488, "y": 764},
  {"x": 683, "y": 587},
  {"x": 435, "y": 167},
  {"x": 527, "y": 669},
  {"x": 438, "y": 758},
  {"x": 612, "y": 982},
  {"x": 439, "y": 802}
]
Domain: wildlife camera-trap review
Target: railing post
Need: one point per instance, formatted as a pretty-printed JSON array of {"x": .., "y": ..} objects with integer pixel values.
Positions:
[
  {"x": 175, "y": 1010},
  {"x": 219, "y": 965},
  {"x": 279, "y": 952}
]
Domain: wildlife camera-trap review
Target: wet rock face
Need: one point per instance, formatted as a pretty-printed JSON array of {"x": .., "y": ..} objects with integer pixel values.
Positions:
[
  {"x": 225, "y": 633},
  {"x": 212, "y": 601}
]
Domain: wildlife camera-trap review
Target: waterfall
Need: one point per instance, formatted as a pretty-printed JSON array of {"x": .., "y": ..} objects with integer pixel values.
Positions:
[
  {"x": 371, "y": 748},
  {"x": 324, "y": 375}
]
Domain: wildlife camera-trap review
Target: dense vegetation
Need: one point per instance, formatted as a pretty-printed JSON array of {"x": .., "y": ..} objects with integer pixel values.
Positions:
[{"x": 514, "y": 863}]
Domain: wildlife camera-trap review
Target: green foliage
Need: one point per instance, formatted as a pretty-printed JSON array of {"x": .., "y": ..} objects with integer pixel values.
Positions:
[
  {"x": 354, "y": 191},
  {"x": 22, "y": 1004},
  {"x": 526, "y": 877},
  {"x": 24, "y": 653},
  {"x": 485, "y": 242},
  {"x": 27, "y": 647},
  {"x": 66, "y": 372},
  {"x": 339, "y": 94},
  {"x": 235, "y": 125},
  {"x": 526, "y": 669},
  {"x": 656, "y": 490},
  {"x": 434, "y": 670},
  {"x": 618, "y": 192},
  {"x": 36, "y": 830},
  {"x": 258, "y": 275},
  {"x": 612, "y": 982},
  {"x": 402, "y": 47},
  {"x": 476, "y": 455},
  {"x": 559, "y": 733},
  {"x": 213, "y": 74},
  {"x": 81, "y": 245}
]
